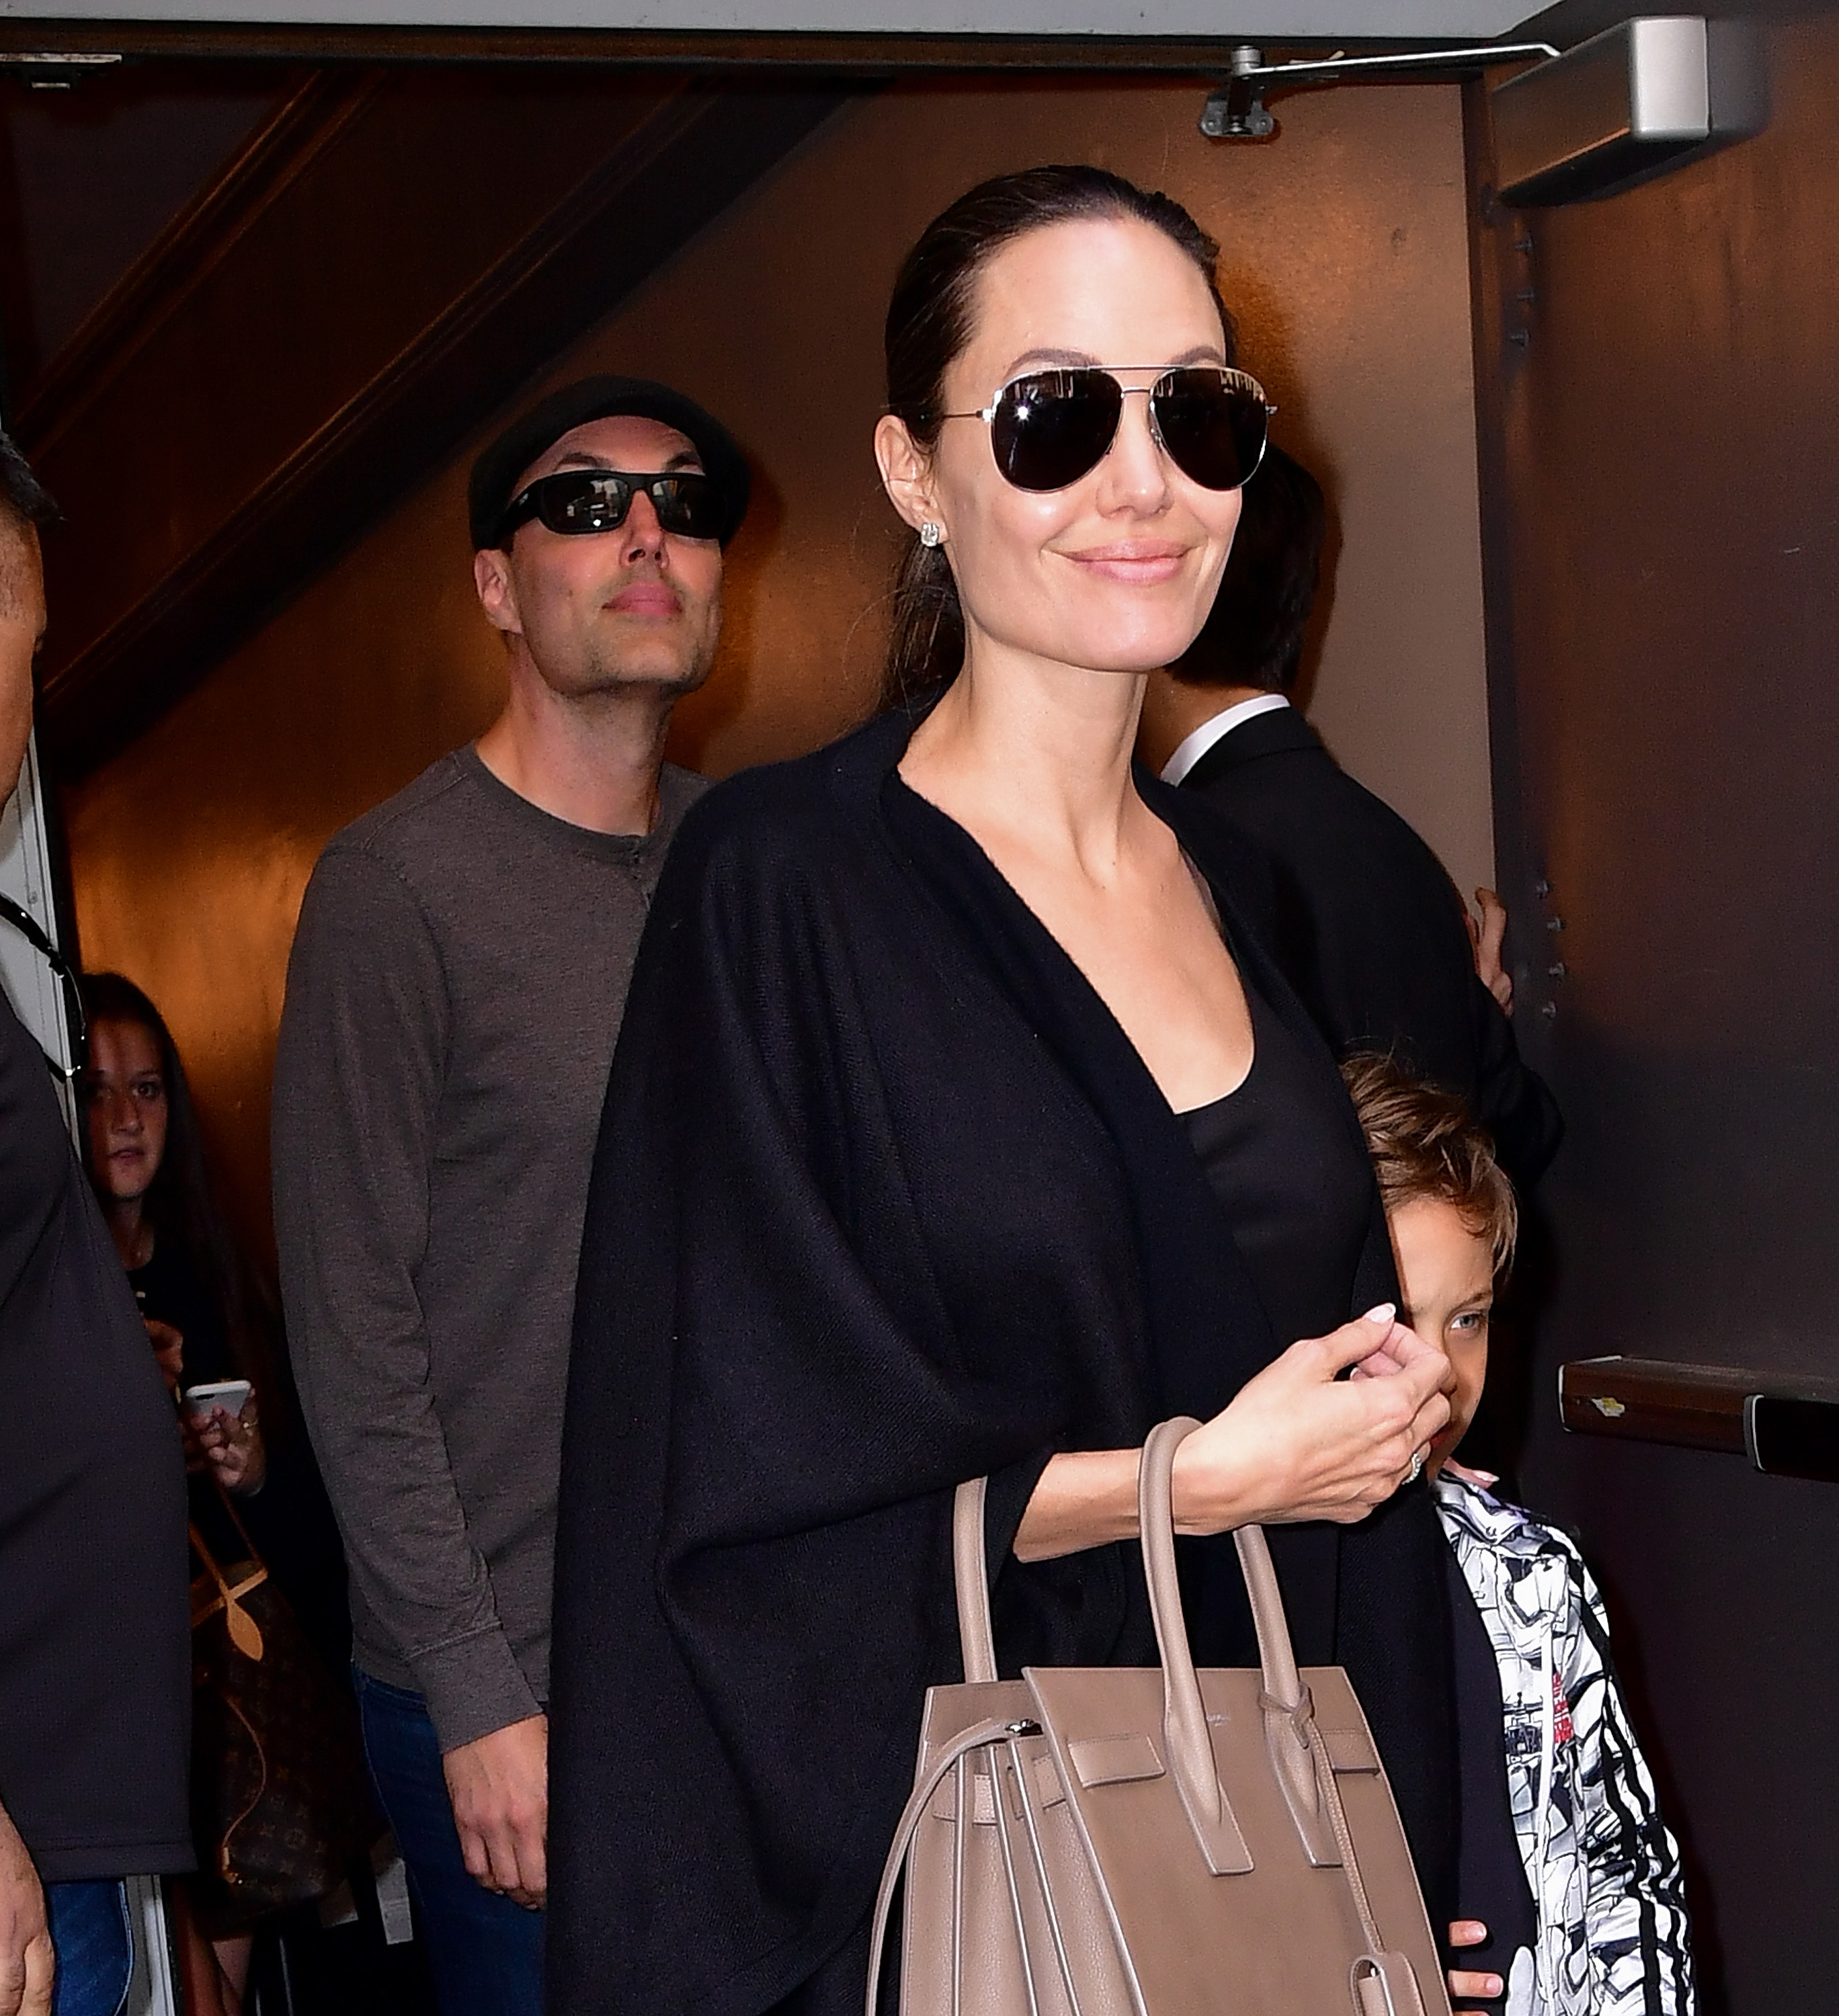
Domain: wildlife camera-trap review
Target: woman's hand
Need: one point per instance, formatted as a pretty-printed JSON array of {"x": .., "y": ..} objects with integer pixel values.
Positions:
[
  {"x": 1299, "y": 1442},
  {"x": 228, "y": 1446},
  {"x": 1465, "y": 1981}
]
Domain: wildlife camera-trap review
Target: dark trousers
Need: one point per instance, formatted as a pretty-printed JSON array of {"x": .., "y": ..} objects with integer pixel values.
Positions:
[
  {"x": 94, "y": 1943},
  {"x": 484, "y": 1951}
]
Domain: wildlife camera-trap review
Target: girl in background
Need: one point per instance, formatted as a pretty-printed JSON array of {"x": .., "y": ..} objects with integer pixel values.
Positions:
[
  {"x": 209, "y": 1321},
  {"x": 147, "y": 1160}
]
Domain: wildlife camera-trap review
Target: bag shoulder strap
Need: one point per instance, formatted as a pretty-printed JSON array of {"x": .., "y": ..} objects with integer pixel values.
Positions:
[
  {"x": 971, "y": 1576},
  {"x": 245, "y": 1633},
  {"x": 979, "y": 1735},
  {"x": 236, "y": 1518}
]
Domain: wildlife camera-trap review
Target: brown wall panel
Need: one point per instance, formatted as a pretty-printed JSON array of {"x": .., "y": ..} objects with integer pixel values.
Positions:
[
  {"x": 1667, "y": 593},
  {"x": 277, "y": 372},
  {"x": 100, "y": 170},
  {"x": 1347, "y": 259}
]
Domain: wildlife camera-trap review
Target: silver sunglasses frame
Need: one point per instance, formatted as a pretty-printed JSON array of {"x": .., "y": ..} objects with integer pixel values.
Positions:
[
  {"x": 1240, "y": 381},
  {"x": 1237, "y": 381}
]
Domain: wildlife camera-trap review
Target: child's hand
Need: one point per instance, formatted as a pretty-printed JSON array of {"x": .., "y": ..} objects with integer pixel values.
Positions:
[
  {"x": 1485, "y": 940},
  {"x": 1463, "y": 1982}
]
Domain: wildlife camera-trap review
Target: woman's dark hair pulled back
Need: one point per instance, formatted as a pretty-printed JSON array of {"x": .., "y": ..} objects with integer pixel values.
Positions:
[{"x": 928, "y": 326}]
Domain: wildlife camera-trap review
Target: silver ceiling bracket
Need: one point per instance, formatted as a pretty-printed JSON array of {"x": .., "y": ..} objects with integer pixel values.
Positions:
[{"x": 1237, "y": 111}]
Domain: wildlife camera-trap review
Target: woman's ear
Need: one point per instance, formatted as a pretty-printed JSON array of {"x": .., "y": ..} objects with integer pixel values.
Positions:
[{"x": 906, "y": 472}]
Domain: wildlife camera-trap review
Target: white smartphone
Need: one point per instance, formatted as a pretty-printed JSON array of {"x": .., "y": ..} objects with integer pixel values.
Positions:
[{"x": 231, "y": 1394}]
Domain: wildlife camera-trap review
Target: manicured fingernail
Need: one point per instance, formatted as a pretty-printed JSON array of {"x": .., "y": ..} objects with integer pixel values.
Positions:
[{"x": 1382, "y": 1313}]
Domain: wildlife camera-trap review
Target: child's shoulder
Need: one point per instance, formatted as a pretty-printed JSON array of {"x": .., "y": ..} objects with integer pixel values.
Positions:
[{"x": 1474, "y": 1515}]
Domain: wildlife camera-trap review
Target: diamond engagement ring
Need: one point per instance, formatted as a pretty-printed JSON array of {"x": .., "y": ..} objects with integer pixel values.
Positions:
[{"x": 1417, "y": 1468}]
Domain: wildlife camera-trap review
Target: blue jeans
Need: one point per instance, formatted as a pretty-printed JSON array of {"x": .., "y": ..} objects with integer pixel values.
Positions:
[
  {"x": 484, "y": 1951},
  {"x": 94, "y": 1947}
]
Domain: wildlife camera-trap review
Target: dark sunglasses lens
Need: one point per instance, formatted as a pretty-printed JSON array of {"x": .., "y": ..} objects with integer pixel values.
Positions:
[
  {"x": 582, "y": 502},
  {"x": 1053, "y": 426},
  {"x": 690, "y": 506},
  {"x": 1213, "y": 429}
]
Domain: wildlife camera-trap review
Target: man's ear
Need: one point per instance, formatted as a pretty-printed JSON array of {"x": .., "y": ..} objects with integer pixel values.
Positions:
[
  {"x": 906, "y": 471},
  {"x": 497, "y": 592}
]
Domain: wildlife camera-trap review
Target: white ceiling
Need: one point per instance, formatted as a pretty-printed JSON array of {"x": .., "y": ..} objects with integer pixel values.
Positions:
[{"x": 1252, "y": 19}]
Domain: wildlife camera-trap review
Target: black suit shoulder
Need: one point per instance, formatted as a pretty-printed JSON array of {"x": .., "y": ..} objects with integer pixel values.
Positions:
[
  {"x": 1365, "y": 909},
  {"x": 1302, "y": 800},
  {"x": 1370, "y": 929}
]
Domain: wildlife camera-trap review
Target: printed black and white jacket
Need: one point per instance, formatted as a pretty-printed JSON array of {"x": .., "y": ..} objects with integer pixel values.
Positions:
[{"x": 1603, "y": 1870}]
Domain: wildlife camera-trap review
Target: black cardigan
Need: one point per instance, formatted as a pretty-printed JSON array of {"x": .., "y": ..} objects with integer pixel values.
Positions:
[{"x": 884, "y": 1199}]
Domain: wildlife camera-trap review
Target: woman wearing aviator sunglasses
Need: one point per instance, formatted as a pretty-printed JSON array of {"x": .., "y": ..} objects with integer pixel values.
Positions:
[{"x": 960, "y": 1127}]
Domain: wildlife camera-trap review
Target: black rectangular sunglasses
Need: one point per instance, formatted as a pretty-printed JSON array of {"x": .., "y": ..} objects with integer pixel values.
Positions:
[{"x": 599, "y": 500}]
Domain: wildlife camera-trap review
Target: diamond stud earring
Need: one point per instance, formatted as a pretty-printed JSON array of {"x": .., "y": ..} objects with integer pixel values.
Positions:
[{"x": 931, "y": 535}]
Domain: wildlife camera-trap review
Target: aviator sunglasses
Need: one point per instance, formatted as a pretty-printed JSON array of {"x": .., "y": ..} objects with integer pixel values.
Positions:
[
  {"x": 1049, "y": 428},
  {"x": 599, "y": 500}
]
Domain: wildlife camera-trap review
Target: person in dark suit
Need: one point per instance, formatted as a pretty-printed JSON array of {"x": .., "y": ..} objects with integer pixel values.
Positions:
[
  {"x": 1369, "y": 929},
  {"x": 96, "y": 1664}
]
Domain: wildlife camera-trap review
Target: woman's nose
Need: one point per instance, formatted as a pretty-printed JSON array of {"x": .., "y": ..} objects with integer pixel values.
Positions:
[{"x": 1136, "y": 470}]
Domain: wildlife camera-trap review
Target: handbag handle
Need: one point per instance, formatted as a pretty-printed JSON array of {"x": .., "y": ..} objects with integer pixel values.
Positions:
[
  {"x": 1287, "y": 1708},
  {"x": 970, "y": 1579}
]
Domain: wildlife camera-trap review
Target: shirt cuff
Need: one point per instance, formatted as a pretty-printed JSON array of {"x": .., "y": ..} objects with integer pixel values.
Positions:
[
  {"x": 473, "y": 1686},
  {"x": 1005, "y": 1503}
]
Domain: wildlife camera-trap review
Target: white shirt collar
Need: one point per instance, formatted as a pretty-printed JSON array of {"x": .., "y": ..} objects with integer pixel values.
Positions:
[{"x": 1193, "y": 746}]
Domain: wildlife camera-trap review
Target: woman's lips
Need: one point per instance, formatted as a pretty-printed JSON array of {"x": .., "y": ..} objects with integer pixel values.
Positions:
[
  {"x": 647, "y": 598},
  {"x": 1142, "y": 562}
]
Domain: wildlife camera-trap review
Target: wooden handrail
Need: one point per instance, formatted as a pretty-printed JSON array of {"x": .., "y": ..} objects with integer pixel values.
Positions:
[{"x": 1787, "y": 1425}]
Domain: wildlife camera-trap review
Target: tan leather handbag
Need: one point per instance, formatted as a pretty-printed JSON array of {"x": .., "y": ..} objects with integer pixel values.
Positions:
[{"x": 1134, "y": 1842}]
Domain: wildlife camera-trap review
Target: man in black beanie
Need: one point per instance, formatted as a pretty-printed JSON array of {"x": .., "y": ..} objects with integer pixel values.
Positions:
[{"x": 454, "y": 993}]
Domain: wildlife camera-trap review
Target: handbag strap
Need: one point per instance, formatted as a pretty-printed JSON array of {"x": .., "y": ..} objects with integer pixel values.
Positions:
[
  {"x": 245, "y": 1633},
  {"x": 971, "y": 1576},
  {"x": 980, "y": 1735},
  {"x": 229, "y": 1505}
]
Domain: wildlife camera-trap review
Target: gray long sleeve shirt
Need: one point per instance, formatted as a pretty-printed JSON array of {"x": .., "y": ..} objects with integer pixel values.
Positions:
[{"x": 453, "y": 996}]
